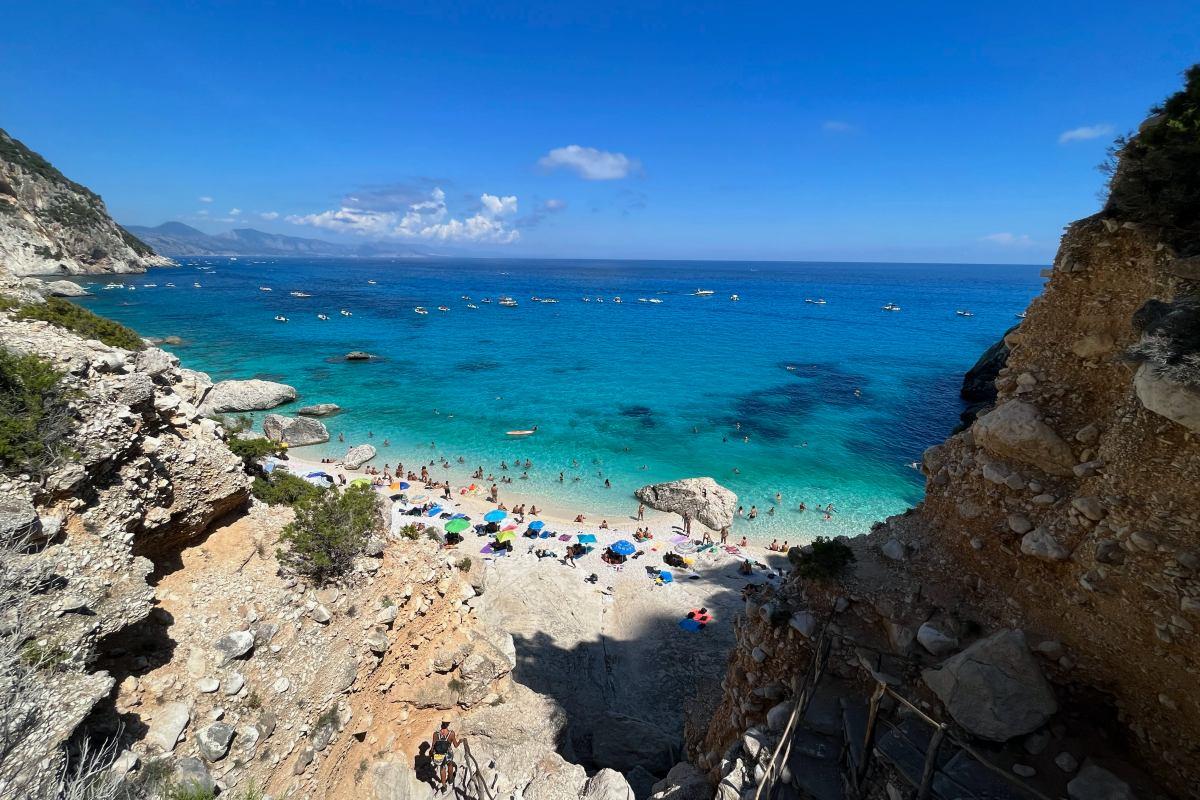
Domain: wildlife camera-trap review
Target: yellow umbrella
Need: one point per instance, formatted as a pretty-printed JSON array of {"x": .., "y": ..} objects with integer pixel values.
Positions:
[{"x": 504, "y": 536}]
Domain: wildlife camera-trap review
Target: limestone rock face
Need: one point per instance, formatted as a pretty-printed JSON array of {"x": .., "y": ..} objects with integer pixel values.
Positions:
[
  {"x": 995, "y": 688},
  {"x": 294, "y": 431},
  {"x": 357, "y": 456},
  {"x": 64, "y": 289},
  {"x": 396, "y": 780},
  {"x": 1014, "y": 430},
  {"x": 703, "y": 499},
  {"x": 167, "y": 726},
  {"x": 1167, "y": 398},
  {"x": 252, "y": 395},
  {"x": 607, "y": 784}
]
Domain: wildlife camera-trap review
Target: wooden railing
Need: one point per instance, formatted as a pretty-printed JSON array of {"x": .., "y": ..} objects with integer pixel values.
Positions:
[{"x": 475, "y": 777}]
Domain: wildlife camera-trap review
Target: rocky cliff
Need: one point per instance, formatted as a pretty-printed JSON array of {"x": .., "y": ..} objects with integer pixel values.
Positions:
[
  {"x": 50, "y": 224},
  {"x": 1043, "y": 599}
]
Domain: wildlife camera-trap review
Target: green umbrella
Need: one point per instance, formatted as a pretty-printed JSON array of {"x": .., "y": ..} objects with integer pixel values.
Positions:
[{"x": 457, "y": 525}]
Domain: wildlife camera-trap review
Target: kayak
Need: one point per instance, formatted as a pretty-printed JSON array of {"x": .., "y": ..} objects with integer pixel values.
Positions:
[{"x": 522, "y": 433}]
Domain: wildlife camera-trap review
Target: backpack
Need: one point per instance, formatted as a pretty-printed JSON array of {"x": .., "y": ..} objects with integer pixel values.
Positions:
[{"x": 441, "y": 743}]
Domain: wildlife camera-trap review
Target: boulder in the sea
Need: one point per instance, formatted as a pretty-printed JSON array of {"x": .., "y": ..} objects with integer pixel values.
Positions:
[
  {"x": 357, "y": 456},
  {"x": 64, "y": 289},
  {"x": 1015, "y": 430},
  {"x": 359, "y": 355},
  {"x": 1175, "y": 401},
  {"x": 252, "y": 395},
  {"x": 319, "y": 410},
  {"x": 995, "y": 688},
  {"x": 294, "y": 431},
  {"x": 702, "y": 499}
]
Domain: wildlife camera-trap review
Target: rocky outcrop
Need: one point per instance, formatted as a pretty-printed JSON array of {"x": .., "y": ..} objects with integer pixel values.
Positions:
[
  {"x": 50, "y": 224},
  {"x": 357, "y": 456},
  {"x": 319, "y": 410},
  {"x": 1015, "y": 430},
  {"x": 1175, "y": 401},
  {"x": 702, "y": 499},
  {"x": 250, "y": 395},
  {"x": 294, "y": 431}
]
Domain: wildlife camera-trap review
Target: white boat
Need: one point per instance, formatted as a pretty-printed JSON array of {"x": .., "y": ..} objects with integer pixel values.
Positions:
[
  {"x": 196, "y": 285},
  {"x": 466, "y": 297},
  {"x": 964, "y": 313},
  {"x": 535, "y": 299},
  {"x": 371, "y": 282},
  {"x": 280, "y": 318},
  {"x": 300, "y": 294},
  {"x": 702, "y": 292},
  {"x": 486, "y": 300},
  {"x": 171, "y": 285},
  {"x": 508, "y": 302},
  {"x": 599, "y": 299},
  {"x": 472, "y": 305},
  {"x": 420, "y": 310},
  {"x": 149, "y": 285},
  {"x": 616, "y": 299},
  {"x": 820, "y": 301},
  {"x": 1021, "y": 315},
  {"x": 443, "y": 308},
  {"x": 586, "y": 299},
  {"x": 131, "y": 288},
  {"x": 734, "y": 297},
  {"x": 655, "y": 300},
  {"x": 112, "y": 286},
  {"x": 264, "y": 288},
  {"x": 528, "y": 432},
  {"x": 322, "y": 316},
  {"x": 643, "y": 300},
  {"x": 345, "y": 313},
  {"x": 890, "y": 307},
  {"x": 550, "y": 300}
]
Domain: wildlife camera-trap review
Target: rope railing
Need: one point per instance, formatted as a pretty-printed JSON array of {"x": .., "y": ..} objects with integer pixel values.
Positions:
[{"x": 475, "y": 776}]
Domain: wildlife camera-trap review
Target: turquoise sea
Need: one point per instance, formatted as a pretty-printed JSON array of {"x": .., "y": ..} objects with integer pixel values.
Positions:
[{"x": 758, "y": 393}]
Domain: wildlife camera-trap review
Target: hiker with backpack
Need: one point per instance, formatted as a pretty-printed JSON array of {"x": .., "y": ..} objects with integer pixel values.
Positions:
[{"x": 444, "y": 742}]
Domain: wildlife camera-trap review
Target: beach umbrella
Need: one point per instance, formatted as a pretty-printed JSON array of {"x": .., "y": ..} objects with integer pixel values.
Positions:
[
  {"x": 433, "y": 512},
  {"x": 504, "y": 536},
  {"x": 457, "y": 525},
  {"x": 587, "y": 538},
  {"x": 403, "y": 485},
  {"x": 536, "y": 525},
  {"x": 495, "y": 516},
  {"x": 623, "y": 547},
  {"x": 359, "y": 481}
]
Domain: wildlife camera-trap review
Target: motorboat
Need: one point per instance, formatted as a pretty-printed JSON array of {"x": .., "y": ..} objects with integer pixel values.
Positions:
[
  {"x": 599, "y": 299},
  {"x": 196, "y": 285},
  {"x": 466, "y": 297},
  {"x": 535, "y": 299},
  {"x": 586, "y": 299},
  {"x": 528, "y": 432},
  {"x": 421, "y": 310},
  {"x": 655, "y": 300},
  {"x": 734, "y": 297},
  {"x": 345, "y": 313},
  {"x": 300, "y": 294},
  {"x": 112, "y": 286},
  {"x": 964, "y": 313},
  {"x": 1021, "y": 315},
  {"x": 820, "y": 301},
  {"x": 486, "y": 300},
  {"x": 443, "y": 308},
  {"x": 170, "y": 286},
  {"x": 372, "y": 282},
  {"x": 703, "y": 292},
  {"x": 149, "y": 285},
  {"x": 322, "y": 316},
  {"x": 508, "y": 302},
  {"x": 131, "y": 288},
  {"x": 280, "y": 318},
  {"x": 264, "y": 288},
  {"x": 472, "y": 305},
  {"x": 616, "y": 300},
  {"x": 890, "y": 307},
  {"x": 550, "y": 300},
  {"x": 643, "y": 300}
]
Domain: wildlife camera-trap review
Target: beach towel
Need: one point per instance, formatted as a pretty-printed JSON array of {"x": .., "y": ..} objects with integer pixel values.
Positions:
[
  {"x": 689, "y": 625},
  {"x": 547, "y": 535},
  {"x": 678, "y": 539},
  {"x": 566, "y": 537},
  {"x": 587, "y": 538},
  {"x": 666, "y": 576}
]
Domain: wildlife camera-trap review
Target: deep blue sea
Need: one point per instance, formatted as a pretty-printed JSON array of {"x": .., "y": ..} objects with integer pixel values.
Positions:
[{"x": 758, "y": 393}]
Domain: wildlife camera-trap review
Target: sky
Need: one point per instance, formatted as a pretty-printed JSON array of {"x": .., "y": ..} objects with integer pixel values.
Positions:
[{"x": 941, "y": 132}]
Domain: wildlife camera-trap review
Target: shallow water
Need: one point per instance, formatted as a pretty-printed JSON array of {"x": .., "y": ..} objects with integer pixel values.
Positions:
[{"x": 633, "y": 392}]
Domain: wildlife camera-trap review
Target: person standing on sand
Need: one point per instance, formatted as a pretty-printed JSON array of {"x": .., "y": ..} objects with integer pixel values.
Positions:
[
  {"x": 494, "y": 494},
  {"x": 641, "y": 515},
  {"x": 687, "y": 524},
  {"x": 725, "y": 534}
]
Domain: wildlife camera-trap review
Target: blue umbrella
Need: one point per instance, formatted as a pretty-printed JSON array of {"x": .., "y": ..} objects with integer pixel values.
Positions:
[
  {"x": 623, "y": 547},
  {"x": 403, "y": 485},
  {"x": 536, "y": 525},
  {"x": 495, "y": 516}
]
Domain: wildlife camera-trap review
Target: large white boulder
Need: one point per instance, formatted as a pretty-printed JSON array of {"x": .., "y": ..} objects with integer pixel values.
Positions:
[
  {"x": 607, "y": 784},
  {"x": 1167, "y": 398},
  {"x": 252, "y": 395},
  {"x": 1015, "y": 430},
  {"x": 294, "y": 431},
  {"x": 357, "y": 456},
  {"x": 995, "y": 688},
  {"x": 702, "y": 499}
]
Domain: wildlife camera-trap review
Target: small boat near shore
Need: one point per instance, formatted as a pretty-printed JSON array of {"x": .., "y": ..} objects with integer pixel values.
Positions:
[
  {"x": 703, "y": 293},
  {"x": 655, "y": 300},
  {"x": 528, "y": 432},
  {"x": 1021, "y": 315},
  {"x": 472, "y": 305},
  {"x": 508, "y": 302},
  {"x": 322, "y": 316},
  {"x": 890, "y": 307},
  {"x": 280, "y": 318},
  {"x": 421, "y": 310},
  {"x": 300, "y": 294},
  {"x": 443, "y": 308},
  {"x": 346, "y": 313},
  {"x": 734, "y": 298},
  {"x": 264, "y": 288},
  {"x": 964, "y": 313}
]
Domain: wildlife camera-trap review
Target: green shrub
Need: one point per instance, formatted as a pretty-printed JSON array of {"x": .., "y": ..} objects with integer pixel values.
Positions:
[
  {"x": 283, "y": 488},
  {"x": 464, "y": 564},
  {"x": 34, "y": 415},
  {"x": 825, "y": 559},
  {"x": 1155, "y": 174},
  {"x": 330, "y": 530},
  {"x": 250, "y": 450},
  {"x": 411, "y": 531},
  {"x": 75, "y": 318}
]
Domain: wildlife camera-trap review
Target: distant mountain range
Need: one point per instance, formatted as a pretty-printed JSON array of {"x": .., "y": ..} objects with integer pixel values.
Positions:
[{"x": 178, "y": 239}]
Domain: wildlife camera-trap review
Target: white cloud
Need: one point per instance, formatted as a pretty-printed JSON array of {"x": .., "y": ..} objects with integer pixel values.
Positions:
[
  {"x": 554, "y": 204},
  {"x": 204, "y": 198},
  {"x": 1085, "y": 132},
  {"x": 269, "y": 215},
  {"x": 837, "y": 126},
  {"x": 589, "y": 163},
  {"x": 203, "y": 212},
  {"x": 423, "y": 219},
  {"x": 233, "y": 212},
  {"x": 1008, "y": 239}
]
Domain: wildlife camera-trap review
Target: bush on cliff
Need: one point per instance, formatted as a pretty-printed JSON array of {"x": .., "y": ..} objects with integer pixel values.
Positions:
[
  {"x": 1155, "y": 174},
  {"x": 330, "y": 530},
  {"x": 282, "y": 488},
  {"x": 251, "y": 449},
  {"x": 34, "y": 415},
  {"x": 75, "y": 318},
  {"x": 822, "y": 560}
]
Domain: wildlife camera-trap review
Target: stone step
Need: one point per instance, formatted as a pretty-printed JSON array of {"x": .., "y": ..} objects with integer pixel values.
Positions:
[
  {"x": 964, "y": 777},
  {"x": 904, "y": 746},
  {"x": 816, "y": 778},
  {"x": 824, "y": 712},
  {"x": 854, "y": 729}
]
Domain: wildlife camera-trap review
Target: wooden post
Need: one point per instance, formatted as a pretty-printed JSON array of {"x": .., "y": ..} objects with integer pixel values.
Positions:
[
  {"x": 931, "y": 762},
  {"x": 869, "y": 739}
]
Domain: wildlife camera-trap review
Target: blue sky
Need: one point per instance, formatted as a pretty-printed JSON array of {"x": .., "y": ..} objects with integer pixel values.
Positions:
[{"x": 851, "y": 131}]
